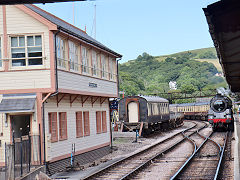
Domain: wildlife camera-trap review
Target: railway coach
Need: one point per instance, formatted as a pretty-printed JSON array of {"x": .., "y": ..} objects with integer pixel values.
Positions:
[
  {"x": 145, "y": 113},
  {"x": 197, "y": 110}
]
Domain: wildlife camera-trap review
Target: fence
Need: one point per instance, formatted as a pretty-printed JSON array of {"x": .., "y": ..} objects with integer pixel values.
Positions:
[{"x": 22, "y": 155}]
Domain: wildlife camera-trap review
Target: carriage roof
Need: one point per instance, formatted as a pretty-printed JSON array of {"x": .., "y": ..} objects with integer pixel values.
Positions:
[{"x": 154, "y": 99}]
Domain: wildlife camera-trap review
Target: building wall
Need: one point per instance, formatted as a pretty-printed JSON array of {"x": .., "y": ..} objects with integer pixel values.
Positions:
[
  {"x": 76, "y": 82},
  {"x": 1, "y": 21},
  {"x": 4, "y": 135},
  {"x": 25, "y": 79},
  {"x": 19, "y": 23},
  {"x": 61, "y": 148}
]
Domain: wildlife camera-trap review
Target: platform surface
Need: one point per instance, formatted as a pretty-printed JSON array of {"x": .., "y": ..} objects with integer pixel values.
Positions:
[{"x": 237, "y": 148}]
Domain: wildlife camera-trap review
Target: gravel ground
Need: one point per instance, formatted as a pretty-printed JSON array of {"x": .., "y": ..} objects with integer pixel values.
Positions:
[
  {"x": 166, "y": 166},
  {"x": 124, "y": 146}
]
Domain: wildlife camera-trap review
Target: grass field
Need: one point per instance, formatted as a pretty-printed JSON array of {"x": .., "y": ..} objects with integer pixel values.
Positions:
[{"x": 215, "y": 62}]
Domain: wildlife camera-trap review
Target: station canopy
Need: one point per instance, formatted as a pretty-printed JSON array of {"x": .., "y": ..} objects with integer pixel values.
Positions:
[
  {"x": 10, "y": 2},
  {"x": 223, "y": 18}
]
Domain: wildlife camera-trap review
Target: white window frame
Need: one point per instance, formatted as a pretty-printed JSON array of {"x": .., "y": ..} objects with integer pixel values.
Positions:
[
  {"x": 94, "y": 63},
  {"x": 111, "y": 68},
  {"x": 61, "y": 53},
  {"x": 84, "y": 55},
  {"x": 99, "y": 64},
  {"x": 103, "y": 66},
  {"x": 73, "y": 56},
  {"x": 27, "y": 66}
]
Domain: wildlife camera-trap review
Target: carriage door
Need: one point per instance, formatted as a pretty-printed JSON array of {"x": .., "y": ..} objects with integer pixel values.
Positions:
[{"x": 133, "y": 112}]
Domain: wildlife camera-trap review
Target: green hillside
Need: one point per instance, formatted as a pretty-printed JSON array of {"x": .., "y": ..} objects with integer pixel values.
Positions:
[
  {"x": 204, "y": 54},
  {"x": 192, "y": 70}
]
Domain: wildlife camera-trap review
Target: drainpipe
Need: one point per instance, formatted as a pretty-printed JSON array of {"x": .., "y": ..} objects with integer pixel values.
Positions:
[
  {"x": 118, "y": 76},
  {"x": 53, "y": 94}
]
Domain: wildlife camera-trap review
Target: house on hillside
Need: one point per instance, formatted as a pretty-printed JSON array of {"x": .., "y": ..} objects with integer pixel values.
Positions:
[
  {"x": 173, "y": 85},
  {"x": 55, "y": 86}
]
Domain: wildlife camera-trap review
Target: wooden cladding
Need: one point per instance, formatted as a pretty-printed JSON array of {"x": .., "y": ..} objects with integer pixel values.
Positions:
[
  {"x": 101, "y": 122},
  {"x": 79, "y": 124},
  {"x": 62, "y": 125},
  {"x": 53, "y": 127}
]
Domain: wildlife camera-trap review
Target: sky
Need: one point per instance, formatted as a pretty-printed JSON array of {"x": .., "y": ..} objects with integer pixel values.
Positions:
[{"x": 131, "y": 27}]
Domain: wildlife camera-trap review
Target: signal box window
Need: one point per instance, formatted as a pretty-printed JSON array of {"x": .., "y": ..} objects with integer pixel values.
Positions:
[{"x": 26, "y": 50}]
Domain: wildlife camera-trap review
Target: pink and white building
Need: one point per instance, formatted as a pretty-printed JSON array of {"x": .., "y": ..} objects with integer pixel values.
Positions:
[{"x": 55, "y": 82}]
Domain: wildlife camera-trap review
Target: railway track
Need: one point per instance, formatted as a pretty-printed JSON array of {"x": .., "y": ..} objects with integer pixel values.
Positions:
[
  {"x": 131, "y": 165},
  {"x": 206, "y": 161}
]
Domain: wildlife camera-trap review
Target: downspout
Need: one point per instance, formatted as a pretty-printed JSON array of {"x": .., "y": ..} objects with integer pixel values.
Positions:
[
  {"x": 118, "y": 76},
  {"x": 53, "y": 94}
]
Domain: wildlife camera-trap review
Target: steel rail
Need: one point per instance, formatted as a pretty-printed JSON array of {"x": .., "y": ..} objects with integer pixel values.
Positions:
[
  {"x": 221, "y": 157},
  {"x": 138, "y": 153},
  {"x": 183, "y": 167},
  {"x": 217, "y": 144},
  {"x": 127, "y": 176}
]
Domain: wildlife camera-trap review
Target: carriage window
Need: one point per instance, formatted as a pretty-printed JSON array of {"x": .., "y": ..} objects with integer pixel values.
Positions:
[{"x": 149, "y": 109}]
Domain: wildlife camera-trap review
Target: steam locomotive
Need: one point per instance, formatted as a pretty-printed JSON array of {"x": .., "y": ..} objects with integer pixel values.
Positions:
[{"x": 220, "y": 114}]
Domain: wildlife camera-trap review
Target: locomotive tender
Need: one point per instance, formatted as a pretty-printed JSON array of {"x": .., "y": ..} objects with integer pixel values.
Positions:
[
  {"x": 146, "y": 113},
  {"x": 220, "y": 114}
]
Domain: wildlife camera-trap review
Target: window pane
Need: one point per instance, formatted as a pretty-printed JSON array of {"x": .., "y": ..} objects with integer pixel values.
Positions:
[
  {"x": 35, "y": 54},
  {"x": 30, "y": 41},
  {"x": 18, "y": 52},
  {"x": 38, "y": 40},
  {"x": 21, "y": 41},
  {"x": 19, "y": 62},
  {"x": 34, "y": 49},
  {"x": 35, "y": 61},
  {"x": 14, "y": 42}
]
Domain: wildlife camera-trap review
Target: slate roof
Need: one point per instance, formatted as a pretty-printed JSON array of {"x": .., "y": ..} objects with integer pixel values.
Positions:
[
  {"x": 64, "y": 26},
  {"x": 17, "y": 102}
]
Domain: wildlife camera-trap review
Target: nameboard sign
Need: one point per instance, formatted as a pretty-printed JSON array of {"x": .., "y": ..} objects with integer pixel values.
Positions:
[{"x": 93, "y": 85}]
